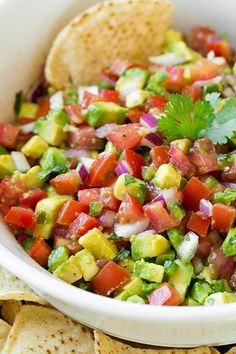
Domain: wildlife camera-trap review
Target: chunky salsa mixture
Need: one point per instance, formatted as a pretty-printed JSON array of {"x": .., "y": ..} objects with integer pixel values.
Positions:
[{"x": 128, "y": 188}]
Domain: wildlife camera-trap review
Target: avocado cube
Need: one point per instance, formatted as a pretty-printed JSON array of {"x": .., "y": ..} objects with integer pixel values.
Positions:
[
  {"x": 87, "y": 264},
  {"x": 98, "y": 244},
  {"x": 136, "y": 299},
  {"x": 149, "y": 271},
  {"x": 220, "y": 299},
  {"x": 136, "y": 98},
  {"x": 127, "y": 264},
  {"x": 134, "y": 79},
  {"x": 47, "y": 210},
  {"x": 148, "y": 246},
  {"x": 53, "y": 160},
  {"x": 69, "y": 270},
  {"x": 181, "y": 50},
  {"x": 172, "y": 36},
  {"x": 100, "y": 113},
  {"x": 167, "y": 256},
  {"x": 220, "y": 285},
  {"x": 148, "y": 172},
  {"x": 134, "y": 287},
  {"x": 170, "y": 267},
  {"x": 109, "y": 147},
  {"x": 3, "y": 151},
  {"x": 191, "y": 302},
  {"x": 166, "y": 177},
  {"x": 155, "y": 81},
  {"x": 183, "y": 144},
  {"x": 50, "y": 131},
  {"x": 7, "y": 166},
  {"x": 57, "y": 257},
  {"x": 32, "y": 177},
  {"x": 34, "y": 147},
  {"x": 134, "y": 186},
  {"x": 28, "y": 110},
  {"x": 58, "y": 116},
  {"x": 182, "y": 277},
  {"x": 206, "y": 274},
  {"x": 229, "y": 244},
  {"x": 200, "y": 291}
]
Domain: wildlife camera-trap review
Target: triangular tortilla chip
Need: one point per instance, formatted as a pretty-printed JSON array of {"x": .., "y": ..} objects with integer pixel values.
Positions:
[
  {"x": 4, "y": 331},
  {"x": 232, "y": 351},
  {"x": 40, "y": 329},
  {"x": 12, "y": 288},
  {"x": 107, "y": 345},
  {"x": 114, "y": 29},
  {"x": 10, "y": 309}
]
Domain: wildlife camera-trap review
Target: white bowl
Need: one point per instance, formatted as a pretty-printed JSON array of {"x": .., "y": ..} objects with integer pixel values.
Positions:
[{"x": 26, "y": 31}]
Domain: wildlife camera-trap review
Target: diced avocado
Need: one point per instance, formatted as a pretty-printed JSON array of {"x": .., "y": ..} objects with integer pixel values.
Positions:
[
  {"x": 212, "y": 88},
  {"x": 200, "y": 291},
  {"x": 57, "y": 257},
  {"x": 127, "y": 264},
  {"x": 234, "y": 69},
  {"x": 220, "y": 299},
  {"x": 136, "y": 299},
  {"x": 28, "y": 110},
  {"x": 175, "y": 237},
  {"x": 7, "y": 166},
  {"x": 134, "y": 287},
  {"x": 134, "y": 79},
  {"x": 27, "y": 244},
  {"x": 172, "y": 36},
  {"x": 109, "y": 147},
  {"x": 32, "y": 177},
  {"x": 136, "y": 98},
  {"x": 154, "y": 83},
  {"x": 206, "y": 274},
  {"x": 148, "y": 246},
  {"x": 167, "y": 256},
  {"x": 227, "y": 197},
  {"x": 220, "y": 285},
  {"x": 170, "y": 267},
  {"x": 175, "y": 210},
  {"x": 34, "y": 147},
  {"x": 148, "y": 172},
  {"x": 229, "y": 244},
  {"x": 47, "y": 210},
  {"x": 148, "y": 271},
  {"x": 166, "y": 177},
  {"x": 95, "y": 208},
  {"x": 134, "y": 186},
  {"x": 87, "y": 264},
  {"x": 3, "y": 151},
  {"x": 183, "y": 144},
  {"x": 100, "y": 113},
  {"x": 51, "y": 191},
  {"x": 69, "y": 270},
  {"x": 98, "y": 244},
  {"x": 58, "y": 116},
  {"x": 50, "y": 131},
  {"x": 147, "y": 288},
  {"x": 190, "y": 302},
  {"x": 182, "y": 277},
  {"x": 53, "y": 160},
  {"x": 181, "y": 50},
  {"x": 211, "y": 182}
]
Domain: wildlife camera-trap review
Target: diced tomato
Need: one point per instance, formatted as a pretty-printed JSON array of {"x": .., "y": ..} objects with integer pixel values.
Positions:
[
  {"x": 73, "y": 246},
  {"x": 9, "y": 134},
  {"x": 70, "y": 210},
  {"x": 84, "y": 137},
  {"x": 136, "y": 113},
  {"x": 108, "y": 77},
  {"x": 203, "y": 70},
  {"x": 66, "y": 183},
  {"x": 203, "y": 156},
  {"x": 204, "y": 248},
  {"x": 25, "y": 120},
  {"x": 165, "y": 295},
  {"x": 175, "y": 80},
  {"x": 157, "y": 102},
  {"x": 110, "y": 96},
  {"x": 193, "y": 91},
  {"x": 135, "y": 161},
  {"x": 130, "y": 210},
  {"x": 199, "y": 36},
  {"x": 21, "y": 216},
  {"x": 104, "y": 195},
  {"x": 222, "y": 264},
  {"x": 180, "y": 160},
  {"x": 10, "y": 191},
  {"x": 75, "y": 115},
  {"x": 119, "y": 67},
  {"x": 199, "y": 223},
  {"x": 159, "y": 155},
  {"x": 101, "y": 173},
  {"x": 40, "y": 251},
  {"x": 220, "y": 47},
  {"x": 126, "y": 137},
  {"x": 159, "y": 216},
  {"x": 82, "y": 224},
  {"x": 193, "y": 192},
  {"x": 110, "y": 278},
  {"x": 223, "y": 217},
  {"x": 89, "y": 98},
  {"x": 32, "y": 197},
  {"x": 22, "y": 238},
  {"x": 43, "y": 106},
  {"x": 229, "y": 173}
]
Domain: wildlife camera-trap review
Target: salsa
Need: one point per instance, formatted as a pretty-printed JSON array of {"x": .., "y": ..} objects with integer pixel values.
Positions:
[{"x": 128, "y": 188}]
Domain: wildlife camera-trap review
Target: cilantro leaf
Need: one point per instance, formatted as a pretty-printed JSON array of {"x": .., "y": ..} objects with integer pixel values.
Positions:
[
  {"x": 18, "y": 100},
  {"x": 183, "y": 118},
  {"x": 223, "y": 126}
]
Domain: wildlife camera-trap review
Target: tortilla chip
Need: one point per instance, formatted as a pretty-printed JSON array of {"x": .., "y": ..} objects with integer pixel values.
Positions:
[
  {"x": 114, "y": 29},
  {"x": 12, "y": 288},
  {"x": 39, "y": 329},
  {"x": 214, "y": 351},
  {"x": 10, "y": 309},
  {"x": 232, "y": 351},
  {"x": 107, "y": 345},
  {"x": 4, "y": 331}
]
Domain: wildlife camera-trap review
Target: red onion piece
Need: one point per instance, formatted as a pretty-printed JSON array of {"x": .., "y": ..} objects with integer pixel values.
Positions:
[
  {"x": 214, "y": 80},
  {"x": 123, "y": 167},
  {"x": 151, "y": 140},
  {"x": 35, "y": 92},
  {"x": 127, "y": 230},
  {"x": 160, "y": 198},
  {"x": 149, "y": 121},
  {"x": 206, "y": 207},
  {"x": 87, "y": 162},
  {"x": 76, "y": 153},
  {"x": 229, "y": 185},
  {"x": 107, "y": 218},
  {"x": 57, "y": 100},
  {"x": 82, "y": 172},
  {"x": 105, "y": 129}
]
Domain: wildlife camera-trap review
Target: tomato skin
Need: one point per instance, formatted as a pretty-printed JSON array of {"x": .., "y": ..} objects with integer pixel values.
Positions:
[
  {"x": 159, "y": 155},
  {"x": 180, "y": 160},
  {"x": 75, "y": 115},
  {"x": 130, "y": 210},
  {"x": 203, "y": 70},
  {"x": 223, "y": 217},
  {"x": 126, "y": 137},
  {"x": 70, "y": 210},
  {"x": 157, "y": 102},
  {"x": 89, "y": 98},
  {"x": 135, "y": 114},
  {"x": 104, "y": 195},
  {"x": 204, "y": 248},
  {"x": 119, "y": 67},
  {"x": 32, "y": 197},
  {"x": 110, "y": 96},
  {"x": 84, "y": 137},
  {"x": 21, "y": 216},
  {"x": 194, "y": 91},
  {"x": 193, "y": 192},
  {"x": 10, "y": 192},
  {"x": 159, "y": 216},
  {"x": 175, "y": 80},
  {"x": 222, "y": 264},
  {"x": 135, "y": 161},
  {"x": 40, "y": 251},
  {"x": 203, "y": 156},
  {"x": 43, "y": 106},
  {"x": 102, "y": 173},
  {"x": 199, "y": 223},
  {"x": 81, "y": 225},
  {"x": 67, "y": 183},
  {"x": 109, "y": 279},
  {"x": 9, "y": 134},
  {"x": 165, "y": 295}
]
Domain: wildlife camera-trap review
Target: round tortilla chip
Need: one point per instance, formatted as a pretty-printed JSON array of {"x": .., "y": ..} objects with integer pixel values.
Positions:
[
  {"x": 115, "y": 29},
  {"x": 39, "y": 329},
  {"x": 107, "y": 345},
  {"x": 4, "y": 331},
  {"x": 10, "y": 309}
]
